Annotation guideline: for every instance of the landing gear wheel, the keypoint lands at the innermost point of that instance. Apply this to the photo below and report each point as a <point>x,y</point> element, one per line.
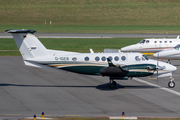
<point>171,84</point>
<point>112,85</point>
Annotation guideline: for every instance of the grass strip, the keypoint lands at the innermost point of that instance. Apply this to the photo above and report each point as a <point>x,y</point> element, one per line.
<point>97,28</point>
<point>70,44</point>
<point>91,16</point>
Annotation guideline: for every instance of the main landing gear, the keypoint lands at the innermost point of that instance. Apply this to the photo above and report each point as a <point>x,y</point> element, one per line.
<point>171,84</point>
<point>169,61</point>
<point>112,84</point>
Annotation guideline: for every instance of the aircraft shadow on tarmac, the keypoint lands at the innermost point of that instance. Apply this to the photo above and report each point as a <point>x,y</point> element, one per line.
<point>104,87</point>
<point>118,86</point>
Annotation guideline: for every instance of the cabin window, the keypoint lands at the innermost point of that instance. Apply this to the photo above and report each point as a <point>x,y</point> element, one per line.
<point>103,58</point>
<point>74,58</point>
<point>165,41</point>
<point>110,57</point>
<point>86,58</point>
<point>147,41</point>
<point>155,41</point>
<point>116,58</point>
<point>137,58</point>
<point>160,41</point>
<point>170,41</point>
<point>97,58</point>
<point>123,58</point>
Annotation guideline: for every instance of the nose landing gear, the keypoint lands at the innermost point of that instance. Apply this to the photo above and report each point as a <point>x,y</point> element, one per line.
<point>171,84</point>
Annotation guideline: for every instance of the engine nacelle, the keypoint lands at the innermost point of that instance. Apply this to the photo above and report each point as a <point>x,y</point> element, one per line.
<point>150,68</point>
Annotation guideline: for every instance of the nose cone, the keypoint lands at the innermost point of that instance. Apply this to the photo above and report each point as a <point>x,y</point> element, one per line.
<point>169,67</point>
<point>129,48</point>
<point>175,68</point>
<point>166,67</point>
<point>157,54</point>
<point>165,53</point>
<point>172,68</point>
<point>124,49</point>
<point>161,54</point>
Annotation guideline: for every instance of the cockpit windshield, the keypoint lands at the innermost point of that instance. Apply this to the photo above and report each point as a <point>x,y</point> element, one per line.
<point>177,47</point>
<point>145,57</point>
<point>142,41</point>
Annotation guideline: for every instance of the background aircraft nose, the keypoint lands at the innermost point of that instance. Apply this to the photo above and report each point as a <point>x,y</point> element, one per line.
<point>123,49</point>
<point>155,55</point>
<point>127,48</point>
<point>160,54</point>
<point>165,53</point>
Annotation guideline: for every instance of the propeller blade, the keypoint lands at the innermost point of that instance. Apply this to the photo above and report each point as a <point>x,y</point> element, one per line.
<point>157,67</point>
<point>157,76</point>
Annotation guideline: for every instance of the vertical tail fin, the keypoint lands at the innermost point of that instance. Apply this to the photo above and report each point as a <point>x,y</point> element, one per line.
<point>28,44</point>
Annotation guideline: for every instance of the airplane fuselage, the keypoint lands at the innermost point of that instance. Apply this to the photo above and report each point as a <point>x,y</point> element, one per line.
<point>93,63</point>
<point>173,53</point>
<point>152,45</point>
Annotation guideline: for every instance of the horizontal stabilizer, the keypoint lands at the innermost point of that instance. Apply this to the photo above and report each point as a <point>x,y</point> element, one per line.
<point>33,64</point>
<point>20,31</point>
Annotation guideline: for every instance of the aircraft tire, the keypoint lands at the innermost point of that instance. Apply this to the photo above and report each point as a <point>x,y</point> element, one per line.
<point>112,85</point>
<point>171,84</point>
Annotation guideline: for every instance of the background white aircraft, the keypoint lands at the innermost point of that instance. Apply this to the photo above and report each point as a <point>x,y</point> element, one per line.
<point>152,45</point>
<point>125,65</point>
<point>173,53</point>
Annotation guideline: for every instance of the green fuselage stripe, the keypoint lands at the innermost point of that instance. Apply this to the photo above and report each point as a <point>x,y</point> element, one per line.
<point>138,70</point>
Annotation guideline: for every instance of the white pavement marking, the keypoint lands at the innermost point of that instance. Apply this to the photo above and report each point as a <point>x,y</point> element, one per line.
<point>162,88</point>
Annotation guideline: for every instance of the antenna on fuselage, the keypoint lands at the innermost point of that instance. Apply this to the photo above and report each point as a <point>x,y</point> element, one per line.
<point>91,51</point>
<point>178,37</point>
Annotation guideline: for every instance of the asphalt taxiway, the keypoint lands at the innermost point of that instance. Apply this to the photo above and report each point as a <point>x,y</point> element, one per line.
<point>26,91</point>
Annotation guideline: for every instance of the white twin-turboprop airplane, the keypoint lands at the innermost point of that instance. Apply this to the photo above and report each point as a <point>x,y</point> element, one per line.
<point>113,65</point>
<point>152,45</point>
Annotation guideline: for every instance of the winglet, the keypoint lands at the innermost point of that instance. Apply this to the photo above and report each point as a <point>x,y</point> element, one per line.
<point>110,63</point>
